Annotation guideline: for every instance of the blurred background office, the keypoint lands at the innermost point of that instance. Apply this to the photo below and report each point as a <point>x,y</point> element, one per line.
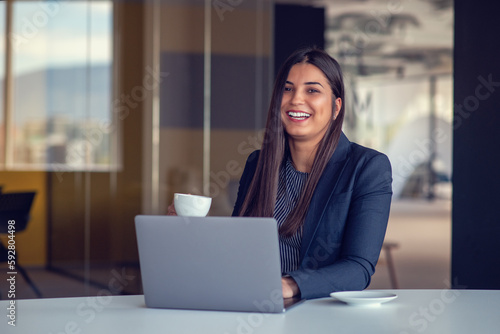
<point>109,107</point>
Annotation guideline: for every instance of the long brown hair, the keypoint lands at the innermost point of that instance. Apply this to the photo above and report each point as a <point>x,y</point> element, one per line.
<point>261,196</point>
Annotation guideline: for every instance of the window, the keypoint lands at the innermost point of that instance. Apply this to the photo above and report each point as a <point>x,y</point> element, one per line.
<point>2,81</point>
<point>60,86</point>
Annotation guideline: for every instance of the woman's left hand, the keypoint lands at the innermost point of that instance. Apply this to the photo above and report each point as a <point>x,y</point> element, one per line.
<point>290,288</point>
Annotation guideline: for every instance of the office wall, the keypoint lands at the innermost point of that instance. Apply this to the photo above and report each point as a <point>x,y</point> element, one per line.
<point>476,155</point>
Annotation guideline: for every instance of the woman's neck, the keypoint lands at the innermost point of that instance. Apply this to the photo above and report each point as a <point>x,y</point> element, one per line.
<point>302,155</point>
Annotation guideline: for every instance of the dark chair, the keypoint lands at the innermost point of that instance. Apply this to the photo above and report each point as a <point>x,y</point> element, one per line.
<point>16,207</point>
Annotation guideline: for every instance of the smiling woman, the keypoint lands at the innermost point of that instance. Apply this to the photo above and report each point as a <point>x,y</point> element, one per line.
<point>330,197</point>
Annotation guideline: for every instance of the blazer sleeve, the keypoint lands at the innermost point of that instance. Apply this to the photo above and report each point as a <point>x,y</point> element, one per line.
<point>344,255</point>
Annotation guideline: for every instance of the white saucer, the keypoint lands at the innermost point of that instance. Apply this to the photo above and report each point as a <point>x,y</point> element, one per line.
<point>363,298</point>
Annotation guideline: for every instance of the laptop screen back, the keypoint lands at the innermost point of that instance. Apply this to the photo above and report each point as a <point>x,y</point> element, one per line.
<point>210,263</point>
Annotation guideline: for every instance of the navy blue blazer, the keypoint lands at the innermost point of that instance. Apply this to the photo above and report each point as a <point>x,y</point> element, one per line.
<point>346,221</point>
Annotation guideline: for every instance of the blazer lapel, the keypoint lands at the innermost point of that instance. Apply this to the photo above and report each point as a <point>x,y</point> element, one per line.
<point>324,190</point>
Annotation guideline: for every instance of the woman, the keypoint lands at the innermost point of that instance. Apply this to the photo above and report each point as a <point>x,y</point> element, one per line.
<point>330,197</point>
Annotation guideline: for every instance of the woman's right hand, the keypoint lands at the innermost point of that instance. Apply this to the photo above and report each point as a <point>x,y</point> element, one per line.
<point>171,210</point>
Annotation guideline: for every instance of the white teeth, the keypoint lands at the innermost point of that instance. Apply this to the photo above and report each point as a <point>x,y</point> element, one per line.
<point>298,114</point>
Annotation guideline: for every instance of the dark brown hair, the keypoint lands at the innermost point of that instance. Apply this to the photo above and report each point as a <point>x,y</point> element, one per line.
<point>261,196</point>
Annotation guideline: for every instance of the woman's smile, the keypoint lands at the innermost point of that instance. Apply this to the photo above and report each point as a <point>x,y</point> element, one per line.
<point>297,115</point>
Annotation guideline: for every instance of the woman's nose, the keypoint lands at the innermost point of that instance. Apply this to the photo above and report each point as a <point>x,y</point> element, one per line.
<point>297,98</point>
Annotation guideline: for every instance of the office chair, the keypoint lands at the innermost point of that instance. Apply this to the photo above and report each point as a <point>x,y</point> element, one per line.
<point>16,206</point>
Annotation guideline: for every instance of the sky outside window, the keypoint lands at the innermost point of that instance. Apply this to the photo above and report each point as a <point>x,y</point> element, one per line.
<point>55,33</point>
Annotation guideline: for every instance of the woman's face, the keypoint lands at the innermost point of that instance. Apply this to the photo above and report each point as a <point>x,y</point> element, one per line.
<point>306,107</point>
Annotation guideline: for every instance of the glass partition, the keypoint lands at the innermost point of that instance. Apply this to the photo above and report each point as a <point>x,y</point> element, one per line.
<point>214,99</point>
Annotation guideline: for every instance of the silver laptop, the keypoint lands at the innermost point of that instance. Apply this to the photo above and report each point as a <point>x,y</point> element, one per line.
<point>211,263</point>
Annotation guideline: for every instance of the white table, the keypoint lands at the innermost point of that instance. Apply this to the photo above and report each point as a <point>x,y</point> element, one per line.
<point>414,311</point>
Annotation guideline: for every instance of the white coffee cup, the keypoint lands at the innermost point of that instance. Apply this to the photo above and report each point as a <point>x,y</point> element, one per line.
<point>191,205</point>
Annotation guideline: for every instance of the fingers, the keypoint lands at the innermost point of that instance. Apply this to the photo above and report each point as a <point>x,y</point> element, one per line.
<point>290,287</point>
<point>171,210</point>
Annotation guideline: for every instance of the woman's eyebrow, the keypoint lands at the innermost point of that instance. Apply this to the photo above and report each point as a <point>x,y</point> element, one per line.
<point>313,83</point>
<point>307,83</point>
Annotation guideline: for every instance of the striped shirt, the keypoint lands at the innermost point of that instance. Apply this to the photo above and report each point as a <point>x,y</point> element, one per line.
<point>290,185</point>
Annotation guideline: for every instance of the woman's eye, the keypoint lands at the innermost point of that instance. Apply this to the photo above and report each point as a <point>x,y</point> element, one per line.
<point>312,90</point>
<point>288,89</point>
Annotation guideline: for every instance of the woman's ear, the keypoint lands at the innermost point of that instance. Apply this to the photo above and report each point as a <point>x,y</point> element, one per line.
<point>338,106</point>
